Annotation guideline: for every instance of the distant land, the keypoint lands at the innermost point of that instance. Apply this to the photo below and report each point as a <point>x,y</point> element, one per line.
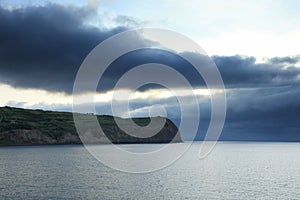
<point>37,127</point>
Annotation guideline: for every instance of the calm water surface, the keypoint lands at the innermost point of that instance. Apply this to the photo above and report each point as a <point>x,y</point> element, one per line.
<point>231,171</point>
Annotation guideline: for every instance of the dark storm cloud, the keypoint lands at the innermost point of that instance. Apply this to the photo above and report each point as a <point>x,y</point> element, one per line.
<point>135,58</point>
<point>237,71</point>
<point>43,47</point>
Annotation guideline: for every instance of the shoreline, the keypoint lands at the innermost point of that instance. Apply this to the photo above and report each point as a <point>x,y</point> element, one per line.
<point>102,144</point>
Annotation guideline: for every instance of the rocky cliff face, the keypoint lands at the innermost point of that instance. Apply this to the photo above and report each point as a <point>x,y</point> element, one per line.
<point>23,137</point>
<point>37,127</point>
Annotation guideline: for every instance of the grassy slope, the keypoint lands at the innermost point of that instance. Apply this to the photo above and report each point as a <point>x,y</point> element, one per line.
<point>49,122</point>
<point>52,123</point>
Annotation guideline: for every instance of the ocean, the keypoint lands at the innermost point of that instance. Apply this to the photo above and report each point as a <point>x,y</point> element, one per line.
<point>233,170</point>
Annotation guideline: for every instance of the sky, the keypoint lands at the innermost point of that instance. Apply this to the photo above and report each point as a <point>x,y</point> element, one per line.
<point>255,45</point>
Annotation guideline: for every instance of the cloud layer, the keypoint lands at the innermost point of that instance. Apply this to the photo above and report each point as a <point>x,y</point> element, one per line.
<point>43,47</point>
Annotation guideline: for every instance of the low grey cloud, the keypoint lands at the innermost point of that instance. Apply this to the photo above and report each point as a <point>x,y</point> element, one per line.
<point>285,60</point>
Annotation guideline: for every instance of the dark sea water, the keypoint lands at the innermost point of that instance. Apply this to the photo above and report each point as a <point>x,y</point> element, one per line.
<point>231,171</point>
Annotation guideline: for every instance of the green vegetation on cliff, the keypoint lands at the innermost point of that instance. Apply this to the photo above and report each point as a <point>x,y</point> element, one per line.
<point>25,126</point>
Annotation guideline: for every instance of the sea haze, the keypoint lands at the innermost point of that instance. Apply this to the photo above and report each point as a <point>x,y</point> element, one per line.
<point>234,170</point>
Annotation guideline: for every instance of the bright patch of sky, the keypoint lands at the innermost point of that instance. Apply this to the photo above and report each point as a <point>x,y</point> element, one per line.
<point>31,97</point>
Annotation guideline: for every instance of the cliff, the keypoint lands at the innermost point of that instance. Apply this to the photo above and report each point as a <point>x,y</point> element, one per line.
<point>37,127</point>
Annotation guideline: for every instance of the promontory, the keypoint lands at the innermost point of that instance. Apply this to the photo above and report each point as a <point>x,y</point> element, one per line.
<point>38,127</point>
